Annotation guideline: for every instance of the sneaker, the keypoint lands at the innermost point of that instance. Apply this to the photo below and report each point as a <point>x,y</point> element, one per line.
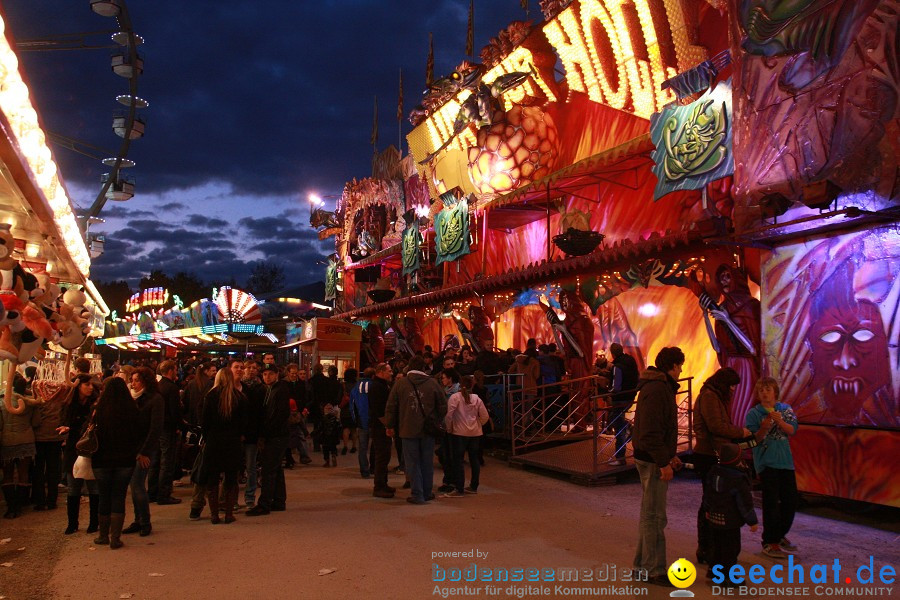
<point>169,500</point>
<point>616,462</point>
<point>446,488</point>
<point>257,511</point>
<point>453,494</point>
<point>383,494</point>
<point>195,514</point>
<point>146,530</point>
<point>412,500</point>
<point>250,503</point>
<point>470,490</point>
<point>786,545</point>
<point>133,528</point>
<point>429,498</point>
<point>773,551</point>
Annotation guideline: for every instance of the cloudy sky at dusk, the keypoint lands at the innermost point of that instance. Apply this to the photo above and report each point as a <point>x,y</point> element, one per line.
<point>252,107</point>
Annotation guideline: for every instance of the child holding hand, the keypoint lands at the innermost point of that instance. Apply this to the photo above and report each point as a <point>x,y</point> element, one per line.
<point>729,506</point>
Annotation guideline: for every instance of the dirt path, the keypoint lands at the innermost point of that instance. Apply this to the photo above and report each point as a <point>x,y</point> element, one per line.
<point>387,548</point>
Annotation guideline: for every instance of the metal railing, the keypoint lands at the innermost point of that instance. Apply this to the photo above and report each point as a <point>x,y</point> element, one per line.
<point>573,410</point>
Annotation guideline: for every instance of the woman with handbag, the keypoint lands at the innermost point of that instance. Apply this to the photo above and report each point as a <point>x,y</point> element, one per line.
<point>117,425</point>
<point>466,414</point>
<point>76,413</point>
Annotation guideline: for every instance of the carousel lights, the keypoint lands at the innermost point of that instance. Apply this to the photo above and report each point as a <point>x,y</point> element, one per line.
<point>29,137</point>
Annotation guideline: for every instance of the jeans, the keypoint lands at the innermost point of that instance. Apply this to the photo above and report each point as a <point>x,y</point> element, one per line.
<point>250,455</point>
<point>198,497</point>
<point>47,463</point>
<point>139,497</point>
<point>113,485</point>
<point>459,446</point>
<point>273,492</point>
<point>162,468</point>
<point>75,485</point>
<point>381,447</point>
<point>418,456</point>
<point>779,499</point>
<point>619,424</point>
<point>366,451</point>
<point>651,547</point>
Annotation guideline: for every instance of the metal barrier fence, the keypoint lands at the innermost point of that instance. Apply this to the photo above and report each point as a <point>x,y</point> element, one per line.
<point>575,410</point>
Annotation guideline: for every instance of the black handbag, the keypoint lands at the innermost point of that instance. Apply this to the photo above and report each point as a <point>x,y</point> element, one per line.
<point>88,444</point>
<point>433,427</point>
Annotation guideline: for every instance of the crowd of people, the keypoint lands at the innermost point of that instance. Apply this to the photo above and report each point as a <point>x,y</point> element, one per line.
<point>230,423</point>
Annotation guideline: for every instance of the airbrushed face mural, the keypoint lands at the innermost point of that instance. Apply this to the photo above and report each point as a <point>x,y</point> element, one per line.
<point>832,322</point>
<point>849,349</point>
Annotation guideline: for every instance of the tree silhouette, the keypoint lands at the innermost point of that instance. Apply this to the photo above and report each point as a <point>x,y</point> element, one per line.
<point>265,277</point>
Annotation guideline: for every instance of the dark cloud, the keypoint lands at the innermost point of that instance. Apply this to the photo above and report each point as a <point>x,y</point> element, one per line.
<point>170,206</point>
<point>244,98</point>
<point>206,222</point>
<point>275,111</point>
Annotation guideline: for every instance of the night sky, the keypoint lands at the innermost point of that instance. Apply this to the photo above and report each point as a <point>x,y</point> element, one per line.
<point>252,107</point>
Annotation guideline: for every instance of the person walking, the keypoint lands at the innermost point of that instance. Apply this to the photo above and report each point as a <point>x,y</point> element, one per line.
<point>274,435</point>
<point>379,390</point>
<point>17,449</point>
<point>655,446</point>
<point>150,404</point>
<point>162,468</point>
<point>224,422</point>
<point>359,409</point>
<point>466,414</point>
<point>76,412</point>
<point>624,387</point>
<point>118,427</point>
<point>412,400</point>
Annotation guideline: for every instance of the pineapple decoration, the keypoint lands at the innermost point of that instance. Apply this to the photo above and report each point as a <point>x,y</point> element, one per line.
<point>519,147</point>
<point>576,237</point>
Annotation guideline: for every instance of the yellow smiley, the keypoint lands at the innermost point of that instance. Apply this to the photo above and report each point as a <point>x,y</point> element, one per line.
<point>682,573</point>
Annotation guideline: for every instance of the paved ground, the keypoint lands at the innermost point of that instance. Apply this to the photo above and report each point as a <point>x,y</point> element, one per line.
<point>387,548</point>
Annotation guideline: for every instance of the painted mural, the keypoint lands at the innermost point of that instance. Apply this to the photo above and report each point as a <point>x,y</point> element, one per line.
<point>816,98</point>
<point>832,324</point>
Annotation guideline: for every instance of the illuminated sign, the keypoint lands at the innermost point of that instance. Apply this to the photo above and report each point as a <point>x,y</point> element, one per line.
<point>150,297</point>
<point>617,52</point>
<point>189,334</point>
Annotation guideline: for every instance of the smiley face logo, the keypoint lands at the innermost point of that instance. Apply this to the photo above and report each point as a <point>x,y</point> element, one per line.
<point>682,573</point>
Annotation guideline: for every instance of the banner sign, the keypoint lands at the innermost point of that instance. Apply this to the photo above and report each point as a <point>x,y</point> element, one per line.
<point>693,142</point>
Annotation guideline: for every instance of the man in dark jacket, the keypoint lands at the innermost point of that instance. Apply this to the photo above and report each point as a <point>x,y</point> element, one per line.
<point>411,399</point>
<point>162,467</point>
<point>274,435</point>
<point>150,404</point>
<point>255,392</point>
<point>624,383</point>
<point>655,445</point>
<point>379,389</point>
